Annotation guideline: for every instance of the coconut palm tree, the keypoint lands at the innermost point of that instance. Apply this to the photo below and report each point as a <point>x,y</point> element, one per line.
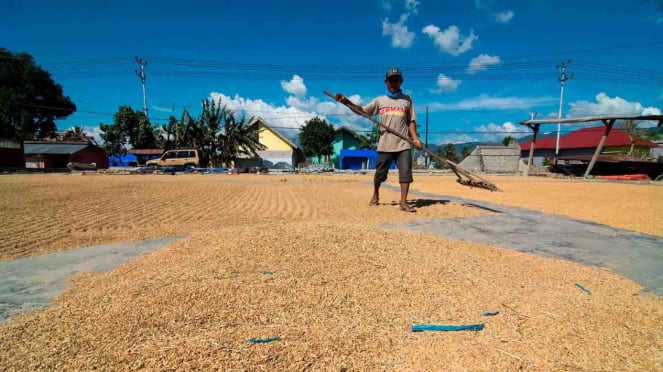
<point>238,137</point>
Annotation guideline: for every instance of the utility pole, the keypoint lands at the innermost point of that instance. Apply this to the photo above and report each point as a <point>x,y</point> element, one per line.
<point>426,139</point>
<point>141,75</point>
<point>562,80</point>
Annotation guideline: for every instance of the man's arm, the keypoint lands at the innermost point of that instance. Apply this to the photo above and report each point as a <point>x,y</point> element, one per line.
<point>344,100</point>
<point>414,135</point>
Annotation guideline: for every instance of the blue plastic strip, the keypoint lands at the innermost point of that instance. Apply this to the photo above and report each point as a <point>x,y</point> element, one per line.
<point>268,272</point>
<point>488,313</point>
<point>584,289</point>
<point>263,340</point>
<point>440,327</point>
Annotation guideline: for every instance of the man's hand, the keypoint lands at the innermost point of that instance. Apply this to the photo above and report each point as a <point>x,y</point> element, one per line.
<point>417,144</point>
<point>340,98</point>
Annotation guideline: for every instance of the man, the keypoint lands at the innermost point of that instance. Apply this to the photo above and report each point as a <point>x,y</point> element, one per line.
<point>397,113</point>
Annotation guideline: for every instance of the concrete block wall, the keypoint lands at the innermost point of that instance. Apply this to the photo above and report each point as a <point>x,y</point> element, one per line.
<point>493,159</point>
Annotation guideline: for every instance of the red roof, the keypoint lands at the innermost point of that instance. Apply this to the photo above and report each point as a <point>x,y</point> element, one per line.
<point>587,138</point>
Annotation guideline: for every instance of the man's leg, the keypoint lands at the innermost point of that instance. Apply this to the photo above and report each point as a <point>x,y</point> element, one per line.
<point>381,170</point>
<point>404,163</point>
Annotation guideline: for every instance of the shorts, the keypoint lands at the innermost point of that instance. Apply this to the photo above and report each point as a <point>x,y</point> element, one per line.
<point>403,163</point>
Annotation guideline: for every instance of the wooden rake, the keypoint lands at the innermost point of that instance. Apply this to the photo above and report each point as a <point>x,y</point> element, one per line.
<point>465,177</point>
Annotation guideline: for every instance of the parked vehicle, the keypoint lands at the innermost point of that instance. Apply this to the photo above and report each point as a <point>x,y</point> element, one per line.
<point>176,158</point>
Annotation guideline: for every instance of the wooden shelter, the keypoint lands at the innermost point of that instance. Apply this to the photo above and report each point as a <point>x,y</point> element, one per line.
<point>607,120</point>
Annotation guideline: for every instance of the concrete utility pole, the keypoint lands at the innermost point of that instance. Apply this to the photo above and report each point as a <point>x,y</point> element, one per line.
<point>141,75</point>
<point>426,158</point>
<point>562,79</point>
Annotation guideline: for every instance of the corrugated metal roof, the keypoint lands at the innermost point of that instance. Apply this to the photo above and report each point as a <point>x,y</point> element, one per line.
<point>53,148</point>
<point>587,138</point>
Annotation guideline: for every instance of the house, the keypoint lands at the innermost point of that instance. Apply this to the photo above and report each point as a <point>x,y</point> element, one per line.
<point>11,154</point>
<point>584,142</point>
<point>49,155</point>
<point>279,152</point>
<point>344,139</point>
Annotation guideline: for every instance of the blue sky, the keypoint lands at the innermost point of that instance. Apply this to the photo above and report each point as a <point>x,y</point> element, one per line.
<point>477,66</point>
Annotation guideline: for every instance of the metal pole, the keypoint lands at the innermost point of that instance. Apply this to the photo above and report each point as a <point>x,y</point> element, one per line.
<point>141,75</point>
<point>426,158</point>
<point>562,79</point>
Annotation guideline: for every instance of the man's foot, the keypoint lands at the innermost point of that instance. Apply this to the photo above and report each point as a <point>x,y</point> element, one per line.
<point>374,201</point>
<point>407,208</point>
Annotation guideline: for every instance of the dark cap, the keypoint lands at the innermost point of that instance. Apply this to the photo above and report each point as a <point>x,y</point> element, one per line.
<point>394,71</point>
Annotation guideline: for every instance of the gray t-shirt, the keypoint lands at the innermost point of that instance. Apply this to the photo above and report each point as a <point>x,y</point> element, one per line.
<point>395,114</point>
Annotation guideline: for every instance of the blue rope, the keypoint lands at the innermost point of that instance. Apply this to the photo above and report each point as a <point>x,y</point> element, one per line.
<point>263,340</point>
<point>584,289</point>
<point>439,327</point>
<point>487,313</point>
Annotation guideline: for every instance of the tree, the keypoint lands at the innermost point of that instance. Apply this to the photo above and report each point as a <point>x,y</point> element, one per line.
<point>507,140</point>
<point>370,141</point>
<point>449,153</point>
<point>77,133</point>
<point>467,150</point>
<point>635,134</point>
<point>129,128</point>
<point>30,101</point>
<point>115,139</point>
<point>316,137</point>
<point>237,137</point>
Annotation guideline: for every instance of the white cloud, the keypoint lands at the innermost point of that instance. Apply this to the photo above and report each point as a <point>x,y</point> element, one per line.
<point>496,133</point>
<point>287,119</point>
<point>606,105</point>
<point>95,132</point>
<point>504,17</point>
<point>294,86</point>
<point>401,37</point>
<point>162,109</point>
<point>483,4</point>
<point>485,102</point>
<point>445,84</point>
<point>412,6</point>
<point>482,62</point>
<point>450,40</point>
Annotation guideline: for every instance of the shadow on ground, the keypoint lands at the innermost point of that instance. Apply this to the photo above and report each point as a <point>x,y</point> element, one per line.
<point>634,255</point>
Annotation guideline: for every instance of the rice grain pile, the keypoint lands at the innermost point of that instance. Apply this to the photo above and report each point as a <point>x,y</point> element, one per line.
<point>303,260</point>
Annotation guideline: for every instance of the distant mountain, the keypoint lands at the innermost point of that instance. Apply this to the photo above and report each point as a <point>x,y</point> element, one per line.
<point>458,147</point>
<point>522,140</point>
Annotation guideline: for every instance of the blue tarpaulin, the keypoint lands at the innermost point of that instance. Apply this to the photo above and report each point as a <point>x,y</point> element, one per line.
<point>128,160</point>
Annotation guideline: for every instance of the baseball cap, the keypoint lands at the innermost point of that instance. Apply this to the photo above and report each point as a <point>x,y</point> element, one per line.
<point>394,71</point>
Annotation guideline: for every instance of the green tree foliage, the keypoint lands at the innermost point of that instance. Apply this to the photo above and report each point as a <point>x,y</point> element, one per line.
<point>77,133</point>
<point>237,137</point>
<point>467,150</point>
<point>30,101</point>
<point>316,137</point>
<point>115,139</point>
<point>165,137</point>
<point>370,141</point>
<point>129,128</point>
<point>449,153</point>
<point>507,140</point>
